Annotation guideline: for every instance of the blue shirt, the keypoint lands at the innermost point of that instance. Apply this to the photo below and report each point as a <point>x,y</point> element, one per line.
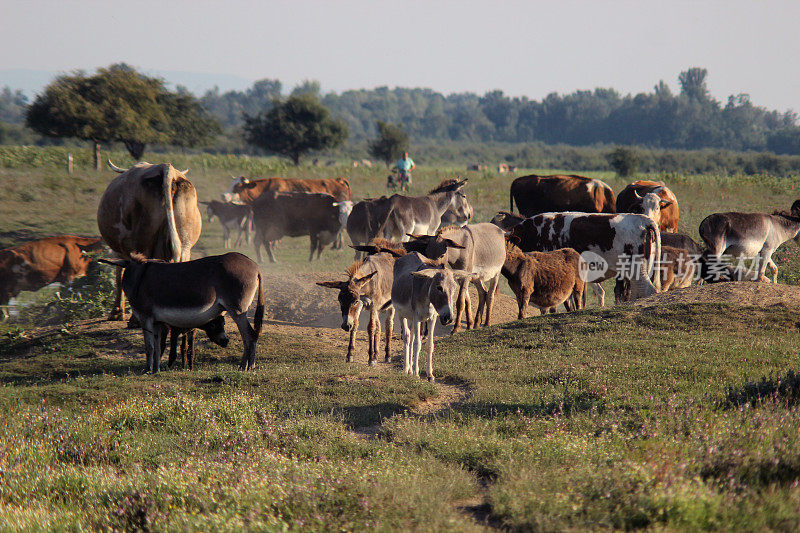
<point>405,164</point>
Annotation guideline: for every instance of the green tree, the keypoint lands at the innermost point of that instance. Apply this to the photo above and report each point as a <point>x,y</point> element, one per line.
<point>624,161</point>
<point>295,126</point>
<point>117,104</point>
<point>392,141</point>
<point>693,83</point>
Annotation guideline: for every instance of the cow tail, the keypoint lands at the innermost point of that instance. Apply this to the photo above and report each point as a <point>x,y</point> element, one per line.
<point>258,318</point>
<point>173,237</point>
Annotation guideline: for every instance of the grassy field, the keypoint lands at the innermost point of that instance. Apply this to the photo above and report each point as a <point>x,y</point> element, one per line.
<point>617,418</point>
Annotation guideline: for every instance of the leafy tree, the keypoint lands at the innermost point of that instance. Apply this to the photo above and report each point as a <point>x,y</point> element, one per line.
<point>115,104</point>
<point>293,127</point>
<point>624,161</point>
<point>12,106</point>
<point>785,141</point>
<point>392,141</point>
<point>693,83</point>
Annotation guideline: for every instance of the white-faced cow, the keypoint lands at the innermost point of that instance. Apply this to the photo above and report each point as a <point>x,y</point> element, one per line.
<point>395,217</point>
<point>294,214</point>
<point>193,294</point>
<point>151,210</point>
<point>751,235</point>
<point>631,198</point>
<point>542,194</point>
<point>628,245</point>
<point>233,217</point>
<point>36,264</point>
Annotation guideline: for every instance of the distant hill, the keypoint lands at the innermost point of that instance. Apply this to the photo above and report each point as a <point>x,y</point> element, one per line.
<point>32,81</point>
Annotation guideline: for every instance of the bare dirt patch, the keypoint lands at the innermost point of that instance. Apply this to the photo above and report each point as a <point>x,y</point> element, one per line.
<point>739,293</point>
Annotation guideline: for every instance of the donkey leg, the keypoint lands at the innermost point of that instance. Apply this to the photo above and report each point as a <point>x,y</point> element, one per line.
<point>406,333</point>
<point>417,326</point>
<point>431,325</point>
<point>492,290</point>
<point>249,339</point>
<point>371,356</point>
<point>190,348</point>
<point>389,327</point>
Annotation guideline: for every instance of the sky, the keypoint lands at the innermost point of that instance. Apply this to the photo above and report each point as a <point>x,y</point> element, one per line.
<point>528,48</point>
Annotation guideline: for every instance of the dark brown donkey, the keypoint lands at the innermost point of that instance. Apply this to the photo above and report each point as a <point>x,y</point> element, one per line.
<point>192,294</point>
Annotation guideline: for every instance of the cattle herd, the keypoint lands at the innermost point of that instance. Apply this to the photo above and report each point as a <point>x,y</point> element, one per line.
<point>415,255</point>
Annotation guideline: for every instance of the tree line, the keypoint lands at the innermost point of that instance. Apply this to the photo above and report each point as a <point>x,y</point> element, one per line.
<point>118,104</point>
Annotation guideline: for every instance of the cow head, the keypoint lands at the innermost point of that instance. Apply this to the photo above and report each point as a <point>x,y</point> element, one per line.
<point>238,185</point>
<point>350,294</point>
<point>505,220</point>
<point>651,204</point>
<point>441,287</point>
<point>345,207</point>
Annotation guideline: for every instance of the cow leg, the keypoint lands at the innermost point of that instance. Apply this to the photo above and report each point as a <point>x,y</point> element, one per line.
<point>314,242</point>
<point>118,308</point>
<point>389,326</point>
<point>258,245</point>
<point>406,333</point>
<point>249,339</point>
<point>417,342</point>
<point>226,237</point>
<point>270,251</point>
<point>600,294</point>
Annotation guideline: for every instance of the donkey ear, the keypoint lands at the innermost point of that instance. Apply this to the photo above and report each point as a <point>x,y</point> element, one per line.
<point>427,273</point>
<point>419,237</point>
<point>666,203</point>
<point>362,280</point>
<point>333,284</point>
<point>368,248</point>
<point>453,244</point>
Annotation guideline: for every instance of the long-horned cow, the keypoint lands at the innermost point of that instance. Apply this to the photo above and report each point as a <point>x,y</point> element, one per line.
<point>631,200</point>
<point>35,264</point>
<point>151,210</point>
<point>536,194</point>
<point>193,294</point>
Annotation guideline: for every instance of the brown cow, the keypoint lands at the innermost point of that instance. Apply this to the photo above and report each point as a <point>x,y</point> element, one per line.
<point>544,194</point>
<point>151,210</point>
<point>630,201</point>
<point>246,191</point>
<point>36,264</point>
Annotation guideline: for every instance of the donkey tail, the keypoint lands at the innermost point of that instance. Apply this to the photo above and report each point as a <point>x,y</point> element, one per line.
<point>258,318</point>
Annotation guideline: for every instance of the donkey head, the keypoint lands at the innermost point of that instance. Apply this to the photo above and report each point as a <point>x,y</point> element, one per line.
<point>350,293</point>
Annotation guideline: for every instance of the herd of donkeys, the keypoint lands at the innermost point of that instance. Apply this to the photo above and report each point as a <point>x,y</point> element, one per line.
<point>416,256</point>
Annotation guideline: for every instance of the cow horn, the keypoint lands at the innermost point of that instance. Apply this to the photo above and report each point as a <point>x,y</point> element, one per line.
<point>636,193</point>
<point>185,171</point>
<point>115,168</point>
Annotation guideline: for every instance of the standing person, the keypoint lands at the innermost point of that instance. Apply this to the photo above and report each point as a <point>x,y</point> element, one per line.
<point>404,167</point>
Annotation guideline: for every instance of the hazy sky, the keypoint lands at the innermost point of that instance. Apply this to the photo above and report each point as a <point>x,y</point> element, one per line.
<point>522,47</point>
